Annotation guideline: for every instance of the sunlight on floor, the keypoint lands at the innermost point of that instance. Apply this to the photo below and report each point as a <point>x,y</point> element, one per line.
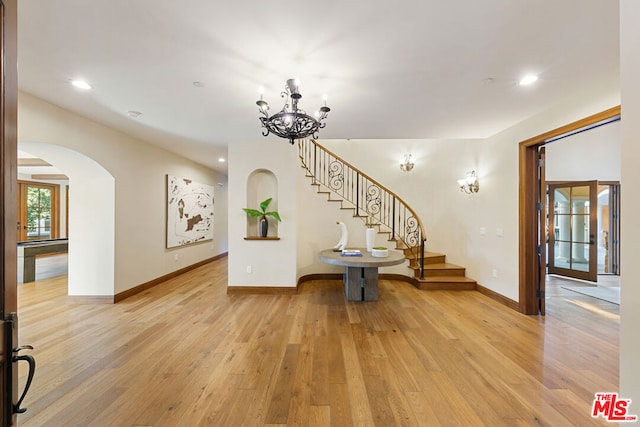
<point>594,309</point>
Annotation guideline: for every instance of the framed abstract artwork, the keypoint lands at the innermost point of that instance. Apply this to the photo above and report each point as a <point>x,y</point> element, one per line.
<point>189,211</point>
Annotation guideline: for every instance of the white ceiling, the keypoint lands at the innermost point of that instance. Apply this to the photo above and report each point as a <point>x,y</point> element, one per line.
<point>391,69</point>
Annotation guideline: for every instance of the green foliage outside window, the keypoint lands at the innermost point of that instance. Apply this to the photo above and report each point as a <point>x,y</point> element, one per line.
<point>38,210</point>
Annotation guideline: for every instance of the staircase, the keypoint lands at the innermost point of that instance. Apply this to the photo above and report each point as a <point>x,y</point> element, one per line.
<point>349,188</point>
<point>440,275</point>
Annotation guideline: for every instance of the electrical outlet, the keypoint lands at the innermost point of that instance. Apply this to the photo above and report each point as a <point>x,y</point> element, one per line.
<point>494,272</point>
<point>249,269</point>
<point>175,257</point>
<point>483,231</point>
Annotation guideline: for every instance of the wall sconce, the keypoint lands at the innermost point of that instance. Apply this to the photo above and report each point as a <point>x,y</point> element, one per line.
<point>408,164</point>
<point>469,184</point>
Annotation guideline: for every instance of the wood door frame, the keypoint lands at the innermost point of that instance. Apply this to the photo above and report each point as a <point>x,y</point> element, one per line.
<point>614,231</point>
<point>529,272</point>
<point>542,224</point>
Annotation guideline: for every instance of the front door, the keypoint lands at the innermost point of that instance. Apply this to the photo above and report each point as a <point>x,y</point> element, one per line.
<point>8,202</point>
<point>573,219</point>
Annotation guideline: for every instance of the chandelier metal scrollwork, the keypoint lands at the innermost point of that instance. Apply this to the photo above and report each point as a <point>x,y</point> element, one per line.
<point>291,122</point>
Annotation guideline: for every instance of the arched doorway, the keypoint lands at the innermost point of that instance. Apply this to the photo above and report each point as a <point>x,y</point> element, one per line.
<point>91,218</point>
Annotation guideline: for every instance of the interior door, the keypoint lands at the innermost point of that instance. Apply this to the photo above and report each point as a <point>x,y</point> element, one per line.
<point>8,202</point>
<point>573,219</point>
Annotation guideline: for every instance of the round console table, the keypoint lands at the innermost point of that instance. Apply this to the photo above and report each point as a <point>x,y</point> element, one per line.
<point>361,272</point>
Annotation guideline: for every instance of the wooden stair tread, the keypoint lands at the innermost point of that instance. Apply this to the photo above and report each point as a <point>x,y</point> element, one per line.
<point>442,265</point>
<point>428,256</point>
<point>432,254</point>
<point>446,284</point>
<point>448,279</point>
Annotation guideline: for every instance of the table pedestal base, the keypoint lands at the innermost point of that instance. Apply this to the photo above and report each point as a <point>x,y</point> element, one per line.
<point>361,283</point>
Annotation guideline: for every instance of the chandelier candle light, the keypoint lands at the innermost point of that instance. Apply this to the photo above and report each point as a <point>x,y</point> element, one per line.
<point>291,122</point>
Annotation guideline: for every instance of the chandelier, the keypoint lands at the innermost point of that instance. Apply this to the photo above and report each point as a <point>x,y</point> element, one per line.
<point>291,122</point>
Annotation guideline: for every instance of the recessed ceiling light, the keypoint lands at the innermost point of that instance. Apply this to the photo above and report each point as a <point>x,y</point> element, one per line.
<point>134,114</point>
<point>221,159</point>
<point>81,84</point>
<point>198,84</point>
<point>529,79</point>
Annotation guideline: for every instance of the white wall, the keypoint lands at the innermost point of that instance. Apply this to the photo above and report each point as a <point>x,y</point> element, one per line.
<point>630,227</point>
<point>272,262</point>
<point>139,171</point>
<point>594,154</point>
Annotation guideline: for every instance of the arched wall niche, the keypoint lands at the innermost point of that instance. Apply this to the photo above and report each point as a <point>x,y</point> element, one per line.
<point>261,185</point>
<point>91,219</point>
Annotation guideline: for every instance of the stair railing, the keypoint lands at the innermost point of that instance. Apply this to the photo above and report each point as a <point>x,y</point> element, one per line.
<point>369,198</point>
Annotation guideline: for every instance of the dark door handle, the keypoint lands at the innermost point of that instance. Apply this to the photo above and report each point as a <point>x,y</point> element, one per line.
<point>591,242</point>
<point>32,370</point>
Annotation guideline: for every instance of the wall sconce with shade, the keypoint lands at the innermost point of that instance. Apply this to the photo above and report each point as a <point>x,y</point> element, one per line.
<point>408,164</point>
<point>469,184</point>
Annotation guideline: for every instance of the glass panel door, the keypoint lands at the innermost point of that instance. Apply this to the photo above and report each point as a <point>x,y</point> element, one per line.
<point>37,211</point>
<point>572,230</point>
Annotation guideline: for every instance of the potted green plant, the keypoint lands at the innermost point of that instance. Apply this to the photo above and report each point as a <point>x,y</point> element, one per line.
<point>263,224</point>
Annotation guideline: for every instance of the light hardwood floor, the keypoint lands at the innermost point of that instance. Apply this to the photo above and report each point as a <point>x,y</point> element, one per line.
<point>187,354</point>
